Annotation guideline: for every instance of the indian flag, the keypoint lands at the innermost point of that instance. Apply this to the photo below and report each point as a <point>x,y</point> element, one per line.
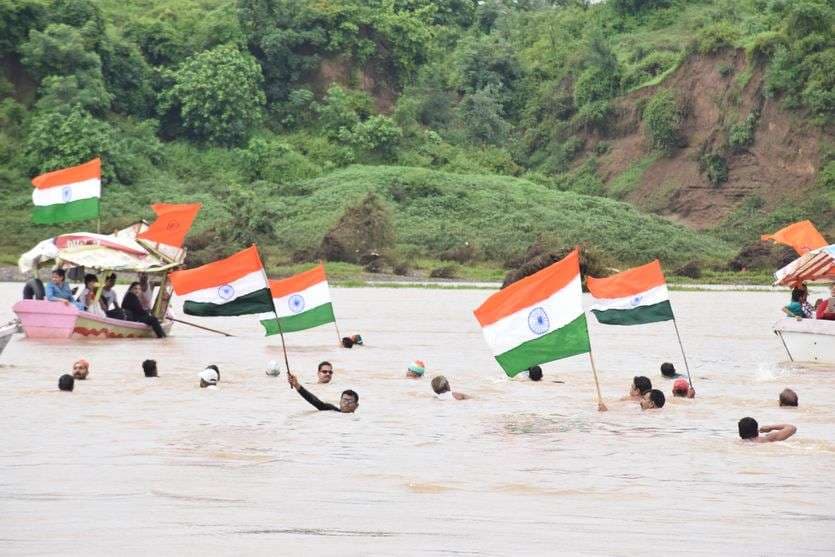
<point>537,319</point>
<point>67,195</point>
<point>633,297</point>
<point>301,302</point>
<point>236,285</point>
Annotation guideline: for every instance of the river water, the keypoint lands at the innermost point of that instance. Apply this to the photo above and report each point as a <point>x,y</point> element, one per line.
<point>127,465</point>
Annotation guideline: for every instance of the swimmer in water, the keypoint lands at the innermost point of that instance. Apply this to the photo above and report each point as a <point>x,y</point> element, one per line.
<point>668,370</point>
<point>535,373</point>
<point>640,386</point>
<point>749,430</point>
<point>66,382</point>
<point>788,398</point>
<point>209,377</point>
<point>348,402</point>
<point>324,373</point>
<point>149,368</point>
<point>416,369</point>
<point>442,389</point>
<point>80,369</point>
<point>347,342</point>
<point>681,388</point>
<point>652,400</point>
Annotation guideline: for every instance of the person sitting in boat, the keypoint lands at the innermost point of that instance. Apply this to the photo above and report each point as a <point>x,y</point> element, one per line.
<point>134,311</point>
<point>57,290</point>
<point>87,297</point>
<point>81,369</point>
<point>146,292</point>
<point>33,289</point>
<point>788,398</point>
<point>799,307</point>
<point>109,301</point>
<point>749,430</point>
<point>640,386</point>
<point>826,308</point>
<point>653,399</point>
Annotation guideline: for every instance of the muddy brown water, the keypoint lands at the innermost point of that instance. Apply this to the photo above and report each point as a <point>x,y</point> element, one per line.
<point>127,465</point>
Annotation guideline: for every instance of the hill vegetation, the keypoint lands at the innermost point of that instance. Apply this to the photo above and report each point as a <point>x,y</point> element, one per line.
<point>488,125</point>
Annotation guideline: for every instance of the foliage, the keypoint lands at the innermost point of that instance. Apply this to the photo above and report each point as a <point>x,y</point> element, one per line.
<point>218,95</point>
<point>716,37</point>
<point>377,134</point>
<point>663,121</point>
<point>17,18</point>
<point>741,135</point>
<point>480,115</point>
<point>363,229</point>
<point>715,168</point>
<point>343,109</point>
<point>594,84</point>
<point>56,140</point>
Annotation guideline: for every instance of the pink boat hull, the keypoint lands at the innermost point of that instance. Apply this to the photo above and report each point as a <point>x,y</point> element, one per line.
<point>42,319</point>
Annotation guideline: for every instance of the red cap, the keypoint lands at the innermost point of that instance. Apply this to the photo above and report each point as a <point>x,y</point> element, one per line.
<point>681,385</point>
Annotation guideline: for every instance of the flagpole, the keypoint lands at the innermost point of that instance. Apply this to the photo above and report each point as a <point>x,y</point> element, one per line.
<point>283,346</point>
<point>335,324</point>
<point>683,355</point>
<point>600,406</point>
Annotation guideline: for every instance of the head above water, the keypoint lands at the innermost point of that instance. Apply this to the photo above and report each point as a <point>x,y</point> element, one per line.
<point>416,369</point>
<point>788,398</point>
<point>535,373</point>
<point>641,385</point>
<point>349,401</point>
<point>748,428</point>
<point>680,387</point>
<point>324,372</point>
<point>347,342</point>
<point>357,339</point>
<point>208,377</point>
<point>440,385</point>
<point>653,399</point>
<point>80,369</point>
<point>66,382</point>
<point>668,369</point>
<point>149,367</point>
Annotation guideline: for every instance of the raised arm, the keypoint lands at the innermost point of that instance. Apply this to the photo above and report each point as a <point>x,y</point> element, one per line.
<point>307,395</point>
<point>779,432</point>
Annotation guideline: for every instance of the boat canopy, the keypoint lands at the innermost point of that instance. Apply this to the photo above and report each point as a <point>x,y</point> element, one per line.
<point>817,265</point>
<point>120,251</point>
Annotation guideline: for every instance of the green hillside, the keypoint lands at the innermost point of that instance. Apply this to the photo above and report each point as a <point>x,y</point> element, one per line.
<point>491,124</point>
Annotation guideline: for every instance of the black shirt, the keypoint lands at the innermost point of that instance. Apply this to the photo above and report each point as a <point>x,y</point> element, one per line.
<point>311,398</point>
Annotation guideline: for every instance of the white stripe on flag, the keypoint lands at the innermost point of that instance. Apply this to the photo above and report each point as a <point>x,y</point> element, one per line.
<point>311,297</point>
<point>224,293</point>
<point>67,193</point>
<point>649,297</point>
<point>563,307</point>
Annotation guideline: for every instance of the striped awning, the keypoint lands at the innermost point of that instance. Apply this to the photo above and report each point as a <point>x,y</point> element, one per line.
<point>816,265</point>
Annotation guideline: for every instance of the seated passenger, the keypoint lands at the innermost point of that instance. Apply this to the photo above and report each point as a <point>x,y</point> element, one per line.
<point>798,307</point>
<point>33,289</point>
<point>109,301</point>
<point>135,312</point>
<point>57,290</point>
<point>826,308</point>
<point>87,297</point>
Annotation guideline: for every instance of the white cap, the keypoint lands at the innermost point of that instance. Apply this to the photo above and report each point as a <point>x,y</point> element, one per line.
<point>208,375</point>
<point>273,368</point>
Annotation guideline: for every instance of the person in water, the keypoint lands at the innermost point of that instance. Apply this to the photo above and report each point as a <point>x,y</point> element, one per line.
<point>57,289</point>
<point>80,369</point>
<point>749,430</point>
<point>416,369</point>
<point>149,368</point>
<point>66,382</point>
<point>209,377</point>
<point>535,373</point>
<point>348,402</point>
<point>653,399</point>
<point>357,339</point>
<point>347,342</point>
<point>135,312</point>
<point>441,387</point>
<point>640,386</point>
<point>681,388</point>
<point>668,370</point>
<point>324,373</point>
<point>788,398</point>
<point>273,368</point>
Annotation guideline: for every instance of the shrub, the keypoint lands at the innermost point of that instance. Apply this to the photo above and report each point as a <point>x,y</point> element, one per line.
<point>363,229</point>
<point>343,109</point>
<point>716,37</point>
<point>480,115</point>
<point>378,133</point>
<point>725,69</point>
<point>689,270</point>
<point>57,140</point>
<point>663,119</point>
<point>445,272</point>
<point>218,95</point>
<point>594,116</point>
<point>595,84</point>
<point>741,135</point>
<point>715,168</point>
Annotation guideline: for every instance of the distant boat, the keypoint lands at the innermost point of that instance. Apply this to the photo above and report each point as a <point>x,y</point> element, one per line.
<point>119,252</point>
<point>808,340</point>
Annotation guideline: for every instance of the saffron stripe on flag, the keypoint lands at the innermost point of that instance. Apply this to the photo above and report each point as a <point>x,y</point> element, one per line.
<point>259,301</point>
<point>627,283</point>
<point>218,273</point>
<point>66,212</point>
<point>64,176</point>
<point>571,340</point>
<point>654,313</point>
<point>307,320</point>
<point>299,282</point>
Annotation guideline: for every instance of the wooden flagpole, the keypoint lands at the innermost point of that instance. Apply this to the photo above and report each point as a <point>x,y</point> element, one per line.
<point>335,324</point>
<point>283,346</point>
<point>600,405</point>
<point>683,355</point>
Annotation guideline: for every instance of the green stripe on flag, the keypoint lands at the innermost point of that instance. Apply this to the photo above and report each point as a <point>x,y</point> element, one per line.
<point>83,209</point>
<point>305,320</point>
<point>566,341</point>
<point>259,301</point>
<point>662,311</point>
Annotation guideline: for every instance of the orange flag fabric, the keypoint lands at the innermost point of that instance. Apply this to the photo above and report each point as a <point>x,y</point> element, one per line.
<point>802,236</point>
<point>172,224</point>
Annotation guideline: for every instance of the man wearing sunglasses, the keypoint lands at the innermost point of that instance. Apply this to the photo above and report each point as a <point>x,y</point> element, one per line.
<point>348,402</point>
<point>325,372</point>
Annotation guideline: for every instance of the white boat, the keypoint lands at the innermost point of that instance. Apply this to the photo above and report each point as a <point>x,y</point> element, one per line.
<point>7,331</point>
<point>807,340</point>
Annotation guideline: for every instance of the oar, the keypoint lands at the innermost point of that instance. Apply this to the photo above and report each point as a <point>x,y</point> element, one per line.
<point>200,327</point>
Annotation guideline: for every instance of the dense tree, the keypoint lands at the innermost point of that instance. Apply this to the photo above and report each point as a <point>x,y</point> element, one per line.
<point>17,18</point>
<point>218,95</point>
<point>58,50</point>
